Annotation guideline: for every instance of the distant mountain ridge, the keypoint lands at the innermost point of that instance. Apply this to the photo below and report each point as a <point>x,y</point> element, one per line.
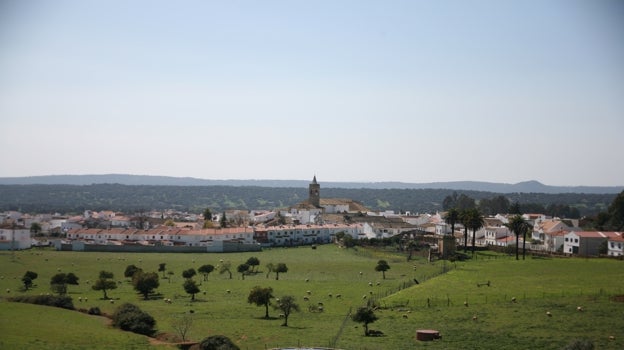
<point>124,179</point>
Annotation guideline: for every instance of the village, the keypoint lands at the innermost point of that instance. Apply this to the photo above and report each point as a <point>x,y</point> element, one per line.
<point>314,221</point>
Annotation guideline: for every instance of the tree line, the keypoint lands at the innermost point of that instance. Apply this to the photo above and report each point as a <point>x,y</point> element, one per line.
<point>125,198</point>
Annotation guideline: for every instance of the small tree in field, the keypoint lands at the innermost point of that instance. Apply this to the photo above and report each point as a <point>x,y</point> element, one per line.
<point>131,270</point>
<point>382,266</point>
<point>205,270</point>
<point>145,282</point>
<point>188,274</point>
<point>287,305</point>
<point>253,262</point>
<point>104,282</point>
<point>243,269</point>
<point>162,267</point>
<point>182,325</point>
<point>280,267</point>
<point>130,318</point>
<point>59,282</point>
<point>364,315</point>
<point>191,288</point>
<point>261,297</point>
<point>225,267</point>
<point>270,268</point>
<point>28,279</point>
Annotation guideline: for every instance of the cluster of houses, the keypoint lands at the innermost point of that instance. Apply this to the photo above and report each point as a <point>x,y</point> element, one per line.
<point>314,221</point>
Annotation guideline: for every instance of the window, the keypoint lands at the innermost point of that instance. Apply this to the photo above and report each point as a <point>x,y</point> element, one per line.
<point>612,245</point>
<point>566,239</point>
<point>576,240</point>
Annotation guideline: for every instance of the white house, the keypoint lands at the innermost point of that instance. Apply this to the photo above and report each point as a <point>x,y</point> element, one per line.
<point>586,243</point>
<point>15,239</point>
<point>615,245</point>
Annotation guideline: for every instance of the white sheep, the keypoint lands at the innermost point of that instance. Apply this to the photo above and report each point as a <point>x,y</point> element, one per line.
<point>579,308</point>
<point>548,314</point>
<point>309,292</point>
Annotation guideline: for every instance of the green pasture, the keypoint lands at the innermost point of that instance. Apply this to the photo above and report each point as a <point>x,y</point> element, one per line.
<point>539,285</point>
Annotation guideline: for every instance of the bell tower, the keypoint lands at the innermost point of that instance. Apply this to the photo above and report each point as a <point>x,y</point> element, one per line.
<point>314,193</point>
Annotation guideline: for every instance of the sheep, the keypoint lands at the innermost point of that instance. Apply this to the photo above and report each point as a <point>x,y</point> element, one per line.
<point>338,295</point>
<point>364,296</point>
<point>307,280</point>
<point>611,337</point>
<point>306,298</point>
<point>370,284</point>
<point>228,291</point>
<point>320,309</point>
<point>465,303</point>
<point>329,295</point>
<point>513,300</point>
<point>86,299</point>
<point>474,318</point>
<point>8,290</point>
<point>370,292</point>
<point>320,304</point>
<point>378,283</point>
<point>308,292</point>
<point>404,315</point>
<point>112,301</point>
<point>80,299</point>
<point>579,308</point>
<point>548,314</point>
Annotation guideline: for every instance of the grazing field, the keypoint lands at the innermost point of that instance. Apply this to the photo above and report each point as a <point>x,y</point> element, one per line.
<point>539,286</point>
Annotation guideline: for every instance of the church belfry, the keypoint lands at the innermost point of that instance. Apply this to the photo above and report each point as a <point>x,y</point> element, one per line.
<point>314,193</point>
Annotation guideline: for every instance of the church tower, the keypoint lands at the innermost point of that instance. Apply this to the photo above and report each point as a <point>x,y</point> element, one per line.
<point>314,193</point>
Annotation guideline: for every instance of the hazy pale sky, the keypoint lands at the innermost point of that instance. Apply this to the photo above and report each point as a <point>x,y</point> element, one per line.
<point>413,91</point>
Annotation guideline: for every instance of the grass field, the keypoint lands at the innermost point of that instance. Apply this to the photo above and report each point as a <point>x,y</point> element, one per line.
<point>539,285</point>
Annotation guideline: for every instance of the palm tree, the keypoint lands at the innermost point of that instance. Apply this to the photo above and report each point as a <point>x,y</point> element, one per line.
<point>475,222</point>
<point>464,218</point>
<point>452,217</point>
<point>518,226</point>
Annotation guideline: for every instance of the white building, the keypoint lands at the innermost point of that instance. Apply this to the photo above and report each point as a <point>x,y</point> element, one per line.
<point>15,239</point>
<point>615,245</point>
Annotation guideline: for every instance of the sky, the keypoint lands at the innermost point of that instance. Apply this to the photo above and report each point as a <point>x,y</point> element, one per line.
<point>411,91</point>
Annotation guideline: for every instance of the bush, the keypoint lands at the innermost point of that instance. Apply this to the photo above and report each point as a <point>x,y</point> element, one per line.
<point>580,344</point>
<point>217,342</point>
<point>63,302</point>
<point>130,318</point>
<point>94,311</point>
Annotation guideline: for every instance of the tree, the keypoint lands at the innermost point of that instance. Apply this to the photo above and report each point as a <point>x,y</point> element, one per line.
<point>205,270</point>
<point>28,279</point>
<point>280,268</point>
<point>464,218</point>
<point>207,214</point>
<point>243,269</point>
<point>35,228</point>
<point>382,266</point>
<point>518,226</point>
<point>130,318</point>
<point>59,282</point>
<point>217,342</point>
<point>145,282</point>
<point>182,325</point>
<point>223,221</point>
<point>452,217</point>
<point>261,297</point>
<point>270,268</point>
<point>130,270</point>
<point>253,262</point>
<point>287,305</point>
<point>475,222</point>
<point>191,288</point>
<point>348,241</point>
<point>162,267</point>
<point>189,273</point>
<point>616,213</point>
<point>169,223</point>
<point>364,315</point>
<point>104,282</point>
<point>225,267</point>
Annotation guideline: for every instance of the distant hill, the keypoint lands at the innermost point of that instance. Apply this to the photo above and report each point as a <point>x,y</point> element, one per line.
<point>521,187</point>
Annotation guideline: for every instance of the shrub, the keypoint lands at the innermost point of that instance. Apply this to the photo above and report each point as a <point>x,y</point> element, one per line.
<point>94,311</point>
<point>63,302</point>
<point>217,342</point>
<point>130,318</point>
<point>580,344</point>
